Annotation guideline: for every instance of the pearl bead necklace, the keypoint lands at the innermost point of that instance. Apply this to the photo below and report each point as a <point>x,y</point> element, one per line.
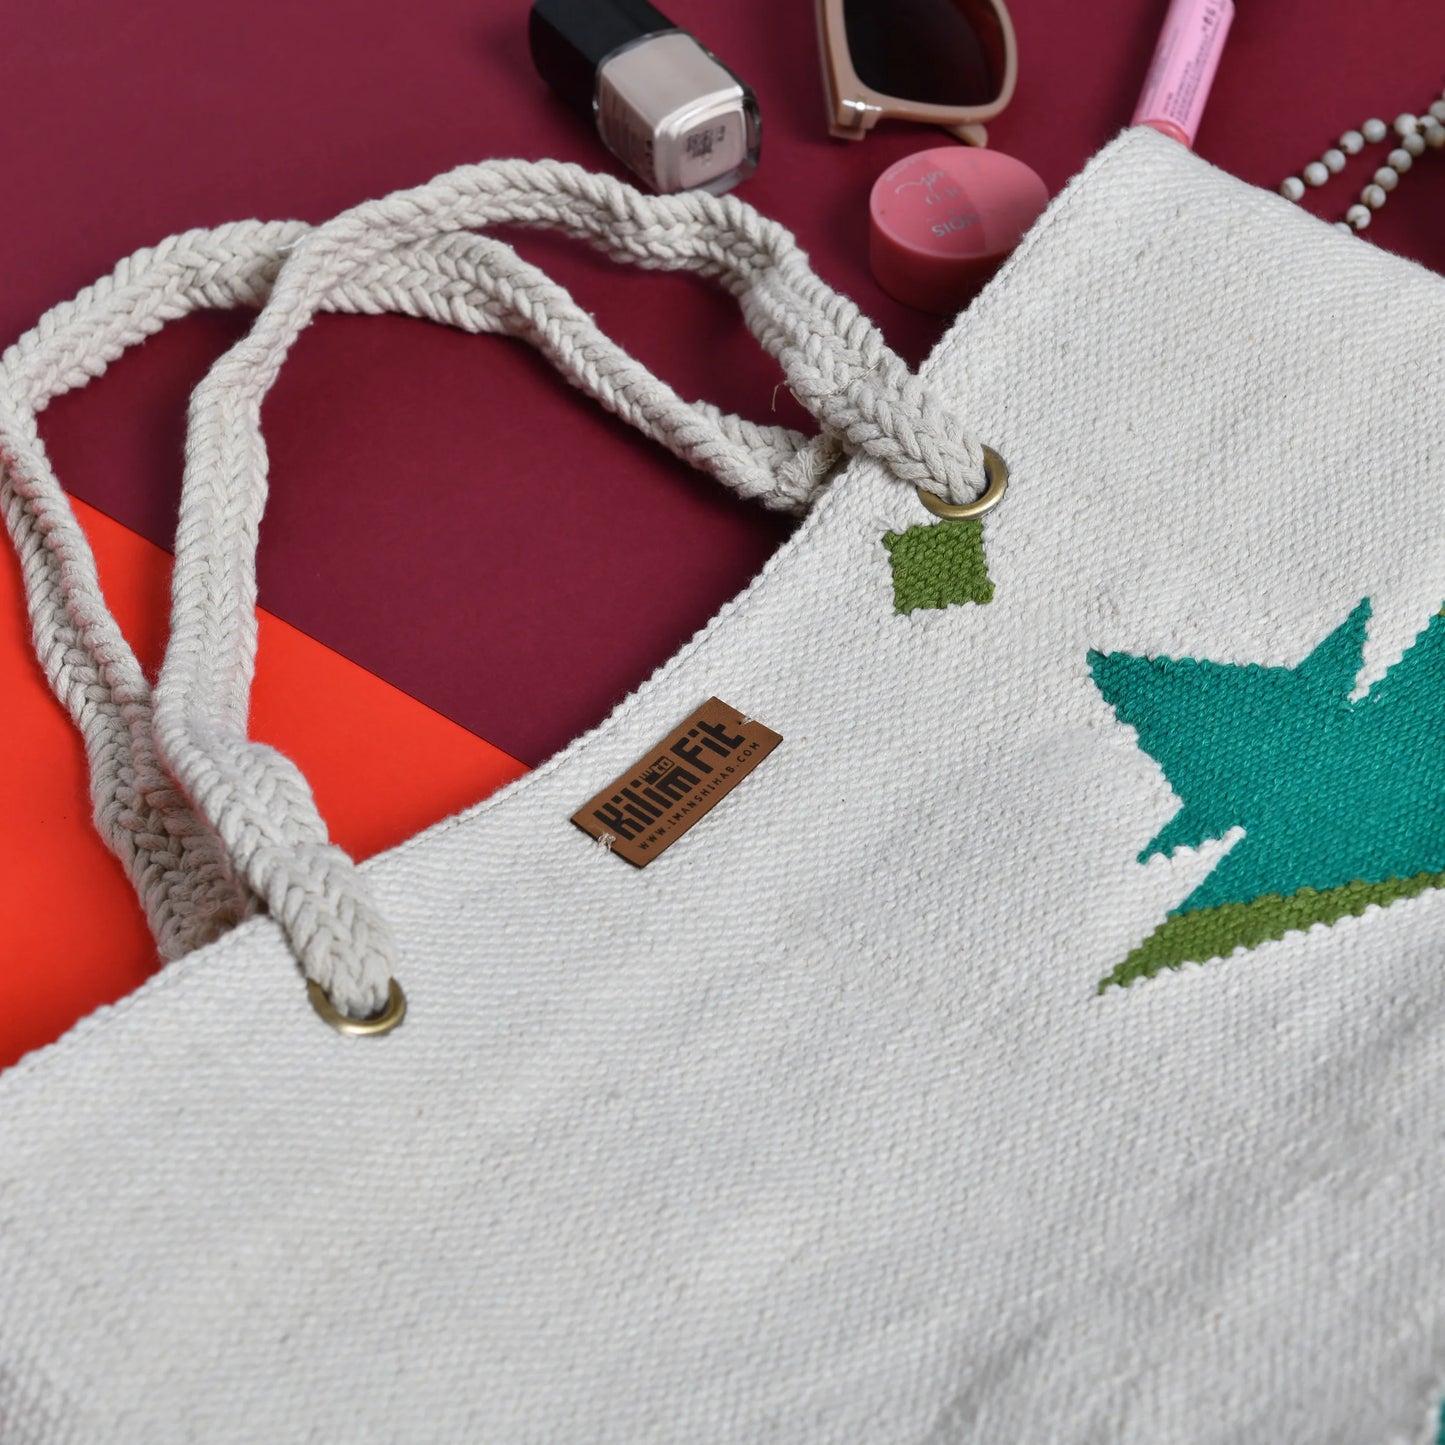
<point>1414,134</point>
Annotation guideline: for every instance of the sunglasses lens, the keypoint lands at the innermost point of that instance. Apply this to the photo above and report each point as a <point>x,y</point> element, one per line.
<point>932,52</point>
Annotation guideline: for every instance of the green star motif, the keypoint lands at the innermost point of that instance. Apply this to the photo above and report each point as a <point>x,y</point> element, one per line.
<point>1342,802</point>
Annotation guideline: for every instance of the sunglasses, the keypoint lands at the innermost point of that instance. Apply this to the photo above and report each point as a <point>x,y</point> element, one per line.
<point>943,62</point>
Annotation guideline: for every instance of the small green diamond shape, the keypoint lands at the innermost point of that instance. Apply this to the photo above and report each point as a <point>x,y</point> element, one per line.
<point>938,565</point>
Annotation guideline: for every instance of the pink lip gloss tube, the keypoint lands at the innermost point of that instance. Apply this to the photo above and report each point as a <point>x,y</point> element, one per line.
<point>1183,67</point>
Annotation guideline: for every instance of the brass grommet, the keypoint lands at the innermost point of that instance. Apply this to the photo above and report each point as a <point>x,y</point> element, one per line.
<point>995,471</point>
<point>392,1011</point>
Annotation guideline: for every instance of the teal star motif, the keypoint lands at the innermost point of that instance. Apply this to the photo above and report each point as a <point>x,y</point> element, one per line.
<point>1331,793</point>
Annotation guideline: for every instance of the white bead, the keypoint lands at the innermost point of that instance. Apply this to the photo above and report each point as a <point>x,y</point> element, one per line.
<point>1406,125</point>
<point>1434,134</point>
<point>1387,178</point>
<point>1352,142</point>
<point>1437,111</point>
<point>1344,226</point>
<point>1358,217</point>
<point>1334,161</point>
<point>1374,130</point>
<point>1316,174</point>
<point>1400,160</point>
<point>1373,197</point>
<point>1415,144</point>
<point>1292,188</point>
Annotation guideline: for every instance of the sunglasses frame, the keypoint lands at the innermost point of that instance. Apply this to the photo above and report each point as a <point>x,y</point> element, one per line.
<point>854,108</point>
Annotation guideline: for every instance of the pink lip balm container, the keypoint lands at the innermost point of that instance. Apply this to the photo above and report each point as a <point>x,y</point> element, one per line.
<point>942,222</point>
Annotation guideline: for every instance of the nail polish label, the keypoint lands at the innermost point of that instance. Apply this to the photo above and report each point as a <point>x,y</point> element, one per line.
<point>685,776</point>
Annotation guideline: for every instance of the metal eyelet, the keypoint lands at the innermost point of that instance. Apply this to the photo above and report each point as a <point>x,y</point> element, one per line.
<point>392,1011</point>
<point>995,471</point>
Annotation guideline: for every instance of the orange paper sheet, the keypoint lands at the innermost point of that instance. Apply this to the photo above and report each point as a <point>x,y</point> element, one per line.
<point>72,936</point>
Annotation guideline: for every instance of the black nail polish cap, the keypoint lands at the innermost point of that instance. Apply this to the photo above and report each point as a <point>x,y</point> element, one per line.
<point>571,39</point>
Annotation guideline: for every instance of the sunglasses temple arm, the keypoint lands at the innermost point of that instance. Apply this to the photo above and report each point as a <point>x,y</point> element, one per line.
<point>970,132</point>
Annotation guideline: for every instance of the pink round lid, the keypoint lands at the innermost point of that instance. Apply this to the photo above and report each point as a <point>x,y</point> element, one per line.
<point>942,221</point>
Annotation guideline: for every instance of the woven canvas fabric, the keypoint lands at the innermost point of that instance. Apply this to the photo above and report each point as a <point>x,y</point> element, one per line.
<point>821,1128</point>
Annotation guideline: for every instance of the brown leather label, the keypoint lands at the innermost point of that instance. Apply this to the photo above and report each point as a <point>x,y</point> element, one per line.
<point>693,769</point>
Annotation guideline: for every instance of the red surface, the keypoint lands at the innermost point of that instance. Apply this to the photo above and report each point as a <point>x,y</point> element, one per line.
<point>73,935</point>
<point>444,511</point>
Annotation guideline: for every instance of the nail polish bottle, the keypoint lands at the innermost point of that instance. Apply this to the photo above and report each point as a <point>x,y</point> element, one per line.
<point>666,108</point>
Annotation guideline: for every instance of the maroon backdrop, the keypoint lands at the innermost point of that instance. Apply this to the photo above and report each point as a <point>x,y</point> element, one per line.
<point>444,511</point>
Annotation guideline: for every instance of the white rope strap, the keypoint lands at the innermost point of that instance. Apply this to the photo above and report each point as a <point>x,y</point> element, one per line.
<point>243,826</point>
<point>173,857</point>
<point>836,360</point>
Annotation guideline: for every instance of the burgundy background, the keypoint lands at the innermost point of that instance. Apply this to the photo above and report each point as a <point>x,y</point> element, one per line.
<point>444,510</point>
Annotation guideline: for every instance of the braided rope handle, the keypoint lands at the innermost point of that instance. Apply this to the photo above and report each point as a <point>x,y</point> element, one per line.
<point>183,876</point>
<point>242,826</point>
<point>171,854</point>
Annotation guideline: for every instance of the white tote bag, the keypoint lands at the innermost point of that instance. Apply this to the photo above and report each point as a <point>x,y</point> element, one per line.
<point>1043,1043</point>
